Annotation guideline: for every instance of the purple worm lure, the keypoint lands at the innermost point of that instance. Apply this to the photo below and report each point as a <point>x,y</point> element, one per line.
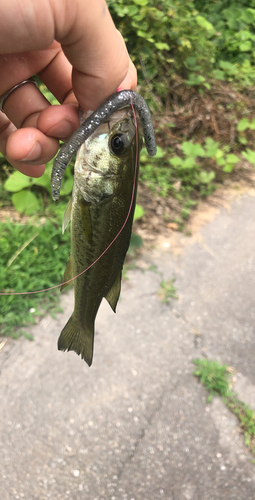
<point>114,103</point>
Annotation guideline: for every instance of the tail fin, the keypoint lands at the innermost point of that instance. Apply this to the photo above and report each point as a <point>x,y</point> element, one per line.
<point>75,338</point>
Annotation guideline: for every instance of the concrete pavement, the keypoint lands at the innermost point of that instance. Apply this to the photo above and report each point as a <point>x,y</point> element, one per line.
<point>136,424</point>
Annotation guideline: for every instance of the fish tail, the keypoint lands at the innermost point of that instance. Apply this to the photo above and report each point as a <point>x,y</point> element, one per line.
<point>76,338</point>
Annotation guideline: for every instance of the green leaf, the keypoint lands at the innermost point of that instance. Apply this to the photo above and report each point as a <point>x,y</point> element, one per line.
<point>218,74</point>
<point>176,161</point>
<point>242,140</point>
<point>220,162</point>
<point>17,181</point>
<point>191,64</point>
<point>160,152</point>
<point>245,46</point>
<point>232,158</point>
<point>162,46</point>
<point>249,155</point>
<point>252,125</point>
<point>142,3</point>
<point>191,149</point>
<point>144,34</point>
<point>243,125</point>
<point>201,21</point>
<point>25,202</point>
<point>43,181</point>
<point>229,68</point>
<point>139,212</point>
<point>228,168</point>
<point>211,147</point>
<point>132,10</point>
<point>206,177</point>
<point>67,187</point>
<point>195,80</point>
<point>219,154</point>
<point>188,163</point>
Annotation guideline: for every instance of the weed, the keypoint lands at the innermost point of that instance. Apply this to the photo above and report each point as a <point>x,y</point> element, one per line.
<point>167,291</point>
<point>215,378</point>
<point>189,175</point>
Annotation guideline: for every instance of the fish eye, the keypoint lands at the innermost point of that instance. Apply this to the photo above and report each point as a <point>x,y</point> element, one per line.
<point>118,143</point>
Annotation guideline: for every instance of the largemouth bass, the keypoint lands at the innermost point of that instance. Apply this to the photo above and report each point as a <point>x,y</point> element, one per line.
<point>104,175</point>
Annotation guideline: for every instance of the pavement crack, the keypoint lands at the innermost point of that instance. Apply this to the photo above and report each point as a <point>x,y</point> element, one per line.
<point>142,434</point>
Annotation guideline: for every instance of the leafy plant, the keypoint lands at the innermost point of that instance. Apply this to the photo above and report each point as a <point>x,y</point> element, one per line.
<point>28,200</point>
<point>187,175</point>
<point>249,155</point>
<point>215,378</point>
<point>162,38</point>
<point>235,43</point>
<point>167,291</point>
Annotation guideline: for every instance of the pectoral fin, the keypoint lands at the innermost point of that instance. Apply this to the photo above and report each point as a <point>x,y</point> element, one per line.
<point>86,220</point>
<point>67,215</point>
<point>68,274</point>
<point>112,296</point>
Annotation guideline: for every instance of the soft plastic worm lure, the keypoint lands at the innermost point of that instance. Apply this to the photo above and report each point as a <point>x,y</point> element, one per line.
<point>115,102</point>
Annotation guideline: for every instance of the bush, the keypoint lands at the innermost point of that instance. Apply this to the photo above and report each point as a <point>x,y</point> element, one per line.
<point>164,38</point>
<point>194,41</point>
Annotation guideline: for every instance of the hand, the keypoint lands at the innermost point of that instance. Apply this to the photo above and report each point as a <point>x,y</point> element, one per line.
<point>75,49</point>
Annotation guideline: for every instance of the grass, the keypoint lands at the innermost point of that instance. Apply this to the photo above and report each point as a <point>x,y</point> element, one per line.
<point>215,378</point>
<point>32,257</point>
<point>167,291</point>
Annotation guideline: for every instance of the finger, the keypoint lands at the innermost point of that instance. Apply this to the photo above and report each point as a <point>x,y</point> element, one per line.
<point>59,121</point>
<point>24,104</point>
<point>24,107</point>
<point>95,49</point>
<point>130,79</point>
<point>27,147</point>
<point>19,66</point>
<point>57,76</point>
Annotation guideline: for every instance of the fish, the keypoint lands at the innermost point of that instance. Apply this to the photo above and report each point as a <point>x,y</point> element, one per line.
<point>101,207</point>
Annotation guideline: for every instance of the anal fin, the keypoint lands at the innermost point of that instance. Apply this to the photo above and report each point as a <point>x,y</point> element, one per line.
<point>112,296</point>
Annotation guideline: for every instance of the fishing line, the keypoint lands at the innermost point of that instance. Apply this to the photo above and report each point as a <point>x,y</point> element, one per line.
<point>117,235</point>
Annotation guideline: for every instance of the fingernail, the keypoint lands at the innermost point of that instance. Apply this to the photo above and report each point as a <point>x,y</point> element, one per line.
<point>34,154</point>
<point>119,89</point>
<point>63,129</point>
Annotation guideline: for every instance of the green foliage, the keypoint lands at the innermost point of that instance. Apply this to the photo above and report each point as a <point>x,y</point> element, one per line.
<point>215,378</point>
<point>28,192</point>
<point>186,176</point>
<point>167,291</point>
<point>32,257</point>
<point>196,40</point>
<point>162,38</point>
<point>234,24</point>
<point>249,155</point>
<point>139,212</point>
